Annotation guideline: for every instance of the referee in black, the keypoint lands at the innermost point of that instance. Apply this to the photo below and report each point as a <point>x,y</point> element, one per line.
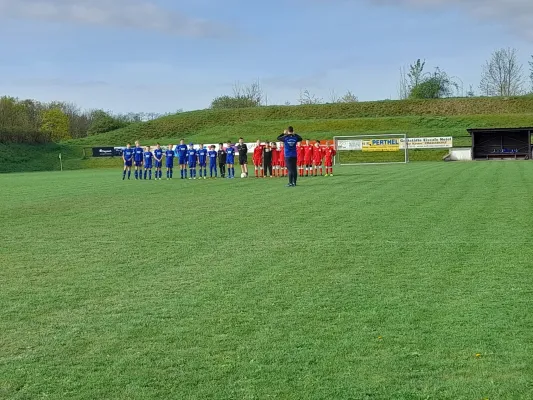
<point>289,138</point>
<point>242,148</point>
<point>221,160</point>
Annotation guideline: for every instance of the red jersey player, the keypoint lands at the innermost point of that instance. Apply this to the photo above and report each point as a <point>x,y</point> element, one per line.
<point>300,158</point>
<point>329,153</point>
<point>275,159</point>
<point>281,159</point>
<point>317,158</point>
<point>308,158</point>
<point>258,159</point>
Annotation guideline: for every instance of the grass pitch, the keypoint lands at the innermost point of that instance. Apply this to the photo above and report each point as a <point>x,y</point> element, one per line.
<point>387,282</point>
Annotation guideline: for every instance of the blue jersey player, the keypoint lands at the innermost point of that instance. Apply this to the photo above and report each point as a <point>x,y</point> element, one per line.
<point>158,156</point>
<point>127,156</point>
<point>169,154</point>
<point>148,158</point>
<point>202,160</point>
<point>181,153</point>
<point>192,157</point>
<point>230,160</point>
<point>138,155</point>
<point>212,154</point>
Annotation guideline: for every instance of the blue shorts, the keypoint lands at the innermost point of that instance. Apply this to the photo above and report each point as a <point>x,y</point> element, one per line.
<point>169,165</point>
<point>127,163</point>
<point>182,161</point>
<point>138,163</point>
<point>147,166</point>
<point>203,165</point>
<point>230,161</point>
<point>192,165</point>
<point>158,164</point>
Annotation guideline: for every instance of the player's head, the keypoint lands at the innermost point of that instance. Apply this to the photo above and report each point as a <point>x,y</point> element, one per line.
<point>285,131</point>
<point>229,142</point>
<point>290,129</point>
<point>298,144</point>
<point>213,147</point>
<point>170,147</point>
<point>147,148</point>
<point>273,144</point>
<point>317,143</point>
<point>137,143</point>
<point>258,142</point>
<point>281,144</point>
<point>221,146</point>
<point>191,145</point>
<point>128,146</point>
<point>307,142</point>
<point>328,143</point>
<point>182,141</point>
<point>158,145</point>
<point>241,140</point>
<point>201,145</point>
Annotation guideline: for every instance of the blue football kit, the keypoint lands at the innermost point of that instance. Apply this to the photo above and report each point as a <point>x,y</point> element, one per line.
<point>128,158</point>
<point>202,161</point>
<point>169,155</point>
<point>192,158</point>
<point>148,157</point>
<point>212,154</point>
<point>230,159</point>
<point>181,153</point>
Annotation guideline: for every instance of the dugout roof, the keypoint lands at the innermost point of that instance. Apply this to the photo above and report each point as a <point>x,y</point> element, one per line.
<point>501,142</point>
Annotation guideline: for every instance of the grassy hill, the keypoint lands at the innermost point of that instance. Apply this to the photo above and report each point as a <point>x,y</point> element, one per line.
<point>443,117</point>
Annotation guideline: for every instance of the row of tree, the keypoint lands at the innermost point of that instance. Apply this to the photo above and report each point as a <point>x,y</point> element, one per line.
<point>502,75</point>
<point>30,121</point>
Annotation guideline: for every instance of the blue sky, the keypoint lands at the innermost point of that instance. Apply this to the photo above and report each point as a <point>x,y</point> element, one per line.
<point>162,55</point>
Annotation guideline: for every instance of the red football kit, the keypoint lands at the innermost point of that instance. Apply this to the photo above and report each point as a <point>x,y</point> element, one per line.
<point>275,157</point>
<point>281,157</point>
<point>258,155</point>
<point>329,153</point>
<point>308,155</point>
<point>317,156</point>
<point>300,154</point>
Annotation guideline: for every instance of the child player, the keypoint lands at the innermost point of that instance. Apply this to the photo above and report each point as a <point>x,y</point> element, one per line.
<point>169,155</point>
<point>202,161</point>
<point>127,156</point>
<point>308,158</point>
<point>317,158</point>
<point>212,154</point>
<point>230,160</point>
<point>221,153</point>
<point>281,159</point>
<point>148,157</point>
<point>329,153</point>
<point>138,155</point>
<point>158,156</point>
<point>300,158</point>
<point>193,158</point>
<point>181,153</point>
<point>258,161</point>
<point>275,159</point>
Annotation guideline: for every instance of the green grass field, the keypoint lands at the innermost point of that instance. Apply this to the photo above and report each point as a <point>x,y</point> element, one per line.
<point>383,282</point>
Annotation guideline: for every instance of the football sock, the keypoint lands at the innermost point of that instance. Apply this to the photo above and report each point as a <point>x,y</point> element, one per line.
<point>136,175</point>
<point>123,174</point>
<point>150,174</point>
<point>129,174</point>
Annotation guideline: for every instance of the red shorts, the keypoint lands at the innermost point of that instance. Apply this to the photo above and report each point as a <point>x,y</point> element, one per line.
<point>317,162</point>
<point>257,162</point>
<point>300,162</point>
<point>308,161</point>
<point>328,163</point>
<point>282,162</point>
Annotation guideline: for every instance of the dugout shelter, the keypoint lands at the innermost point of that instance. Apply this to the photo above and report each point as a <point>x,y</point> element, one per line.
<point>501,143</point>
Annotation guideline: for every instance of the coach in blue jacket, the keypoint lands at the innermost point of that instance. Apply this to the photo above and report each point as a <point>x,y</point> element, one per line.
<point>289,138</point>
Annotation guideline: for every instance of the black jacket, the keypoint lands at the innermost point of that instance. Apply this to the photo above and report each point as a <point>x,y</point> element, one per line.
<point>221,157</point>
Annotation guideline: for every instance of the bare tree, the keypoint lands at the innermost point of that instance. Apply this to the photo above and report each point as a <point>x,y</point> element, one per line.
<point>416,74</point>
<point>253,92</point>
<point>333,96</point>
<point>307,97</point>
<point>349,97</point>
<point>403,89</point>
<point>502,74</point>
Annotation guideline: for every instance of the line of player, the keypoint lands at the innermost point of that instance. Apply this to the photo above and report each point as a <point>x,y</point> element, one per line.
<point>268,160</point>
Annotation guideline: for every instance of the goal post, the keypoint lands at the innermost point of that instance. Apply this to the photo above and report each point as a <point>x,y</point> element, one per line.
<point>385,148</point>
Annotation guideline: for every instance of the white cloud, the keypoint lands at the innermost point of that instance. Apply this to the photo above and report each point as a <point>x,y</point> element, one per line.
<point>134,14</point>
<point>514,14</point>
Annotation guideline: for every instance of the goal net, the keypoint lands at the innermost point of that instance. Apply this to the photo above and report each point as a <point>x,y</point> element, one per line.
<point>371,149</point>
